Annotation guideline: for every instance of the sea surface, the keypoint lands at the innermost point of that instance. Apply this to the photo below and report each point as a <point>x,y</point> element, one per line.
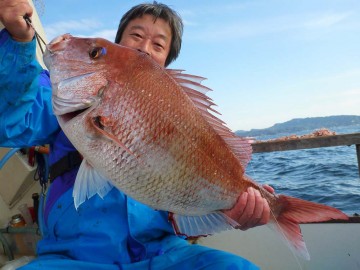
<point>327,175</point>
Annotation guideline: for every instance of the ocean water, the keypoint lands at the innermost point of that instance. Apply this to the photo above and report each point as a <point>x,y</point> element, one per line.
<point>327,175</point>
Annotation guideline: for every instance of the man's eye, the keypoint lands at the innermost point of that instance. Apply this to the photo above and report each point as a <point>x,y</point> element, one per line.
<point>136,35</point>
<point>158,45</point>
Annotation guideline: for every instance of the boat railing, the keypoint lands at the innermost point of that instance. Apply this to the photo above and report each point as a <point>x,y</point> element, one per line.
<point>307,143</point>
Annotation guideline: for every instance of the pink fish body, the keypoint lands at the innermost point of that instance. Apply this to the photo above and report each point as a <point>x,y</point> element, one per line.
<point>148,131</point>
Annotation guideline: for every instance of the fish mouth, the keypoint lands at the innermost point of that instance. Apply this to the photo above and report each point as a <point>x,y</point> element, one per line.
<point>66,109</point>
<point>67,104</point>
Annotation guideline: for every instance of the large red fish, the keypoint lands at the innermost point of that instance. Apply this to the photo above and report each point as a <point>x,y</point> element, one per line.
<point>149,131</point>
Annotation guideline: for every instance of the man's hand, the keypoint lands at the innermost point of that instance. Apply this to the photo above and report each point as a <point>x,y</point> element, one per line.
<point>251,209</point>
<point>12,14</point>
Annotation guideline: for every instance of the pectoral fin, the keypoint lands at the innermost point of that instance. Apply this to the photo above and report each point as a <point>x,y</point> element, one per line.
<point>100,123</point>
<point>88,183</point>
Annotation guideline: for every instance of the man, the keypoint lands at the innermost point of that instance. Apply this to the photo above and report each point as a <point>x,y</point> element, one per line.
<point>116,232</point>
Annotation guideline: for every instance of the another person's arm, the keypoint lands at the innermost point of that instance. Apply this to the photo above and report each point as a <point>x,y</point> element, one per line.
<point>26,116</point>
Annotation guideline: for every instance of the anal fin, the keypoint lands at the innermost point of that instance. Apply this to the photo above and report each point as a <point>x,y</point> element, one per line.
<point>193,226</point>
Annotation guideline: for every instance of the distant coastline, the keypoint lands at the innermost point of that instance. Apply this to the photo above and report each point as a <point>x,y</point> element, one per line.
<point>301,124</point>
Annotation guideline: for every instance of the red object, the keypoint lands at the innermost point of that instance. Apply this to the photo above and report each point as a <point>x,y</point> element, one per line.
<point>31,156</point>
<point>42,149</point>
<point>32,213</point>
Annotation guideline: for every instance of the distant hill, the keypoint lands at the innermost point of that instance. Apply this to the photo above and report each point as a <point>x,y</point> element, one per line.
<point>300,124</point>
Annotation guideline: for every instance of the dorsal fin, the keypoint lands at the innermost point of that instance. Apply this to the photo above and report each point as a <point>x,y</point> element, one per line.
<point>192,86</point>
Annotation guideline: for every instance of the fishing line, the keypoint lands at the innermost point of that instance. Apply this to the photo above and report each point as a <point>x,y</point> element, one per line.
<point>39,39</point>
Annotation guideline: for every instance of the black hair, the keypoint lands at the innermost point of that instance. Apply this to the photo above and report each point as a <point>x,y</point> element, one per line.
<point>157,10</point>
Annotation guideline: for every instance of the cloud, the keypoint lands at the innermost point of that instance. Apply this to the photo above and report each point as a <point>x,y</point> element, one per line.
<point>213,9</point>
<point>191,16</point>
<point>108,34</point>
<point>326,20</point>
<point>345,75</point>
<point>71,26</point>
<point>290,23</point>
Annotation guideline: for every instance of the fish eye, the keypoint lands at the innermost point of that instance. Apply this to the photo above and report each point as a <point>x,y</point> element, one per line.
<point>97,52</point>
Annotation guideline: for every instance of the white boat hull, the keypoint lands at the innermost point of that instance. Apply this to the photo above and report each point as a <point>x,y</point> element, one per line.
<point>331,246</point>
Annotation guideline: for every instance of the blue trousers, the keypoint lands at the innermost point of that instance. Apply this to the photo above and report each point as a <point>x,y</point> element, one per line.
<point>184,257</point>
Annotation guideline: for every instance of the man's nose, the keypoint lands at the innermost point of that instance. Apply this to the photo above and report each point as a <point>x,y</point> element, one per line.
<point>144,47</point>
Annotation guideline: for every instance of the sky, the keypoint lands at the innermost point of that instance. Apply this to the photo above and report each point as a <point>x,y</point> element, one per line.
<point>267,61</point>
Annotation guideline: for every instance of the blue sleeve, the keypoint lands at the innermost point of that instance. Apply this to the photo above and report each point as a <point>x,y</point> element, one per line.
<point>26,116</point>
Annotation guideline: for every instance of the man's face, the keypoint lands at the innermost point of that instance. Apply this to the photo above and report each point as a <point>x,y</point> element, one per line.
<point>149,36</point>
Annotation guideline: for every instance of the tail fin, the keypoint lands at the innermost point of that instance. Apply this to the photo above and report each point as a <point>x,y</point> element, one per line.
<point>295,211</point>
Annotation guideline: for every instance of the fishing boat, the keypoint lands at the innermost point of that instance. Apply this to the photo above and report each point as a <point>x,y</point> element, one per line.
<point>332,245</point>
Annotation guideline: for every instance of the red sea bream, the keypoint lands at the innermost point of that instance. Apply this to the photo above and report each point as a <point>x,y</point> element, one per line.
<point>150,132</point>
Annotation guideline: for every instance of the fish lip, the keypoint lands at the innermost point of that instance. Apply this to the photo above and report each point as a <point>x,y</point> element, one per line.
<point>56,44</point>
<point>67,109</point>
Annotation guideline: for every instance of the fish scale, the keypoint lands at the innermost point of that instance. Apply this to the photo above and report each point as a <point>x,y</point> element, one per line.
<point>159,129</point>
<point>148,131</point>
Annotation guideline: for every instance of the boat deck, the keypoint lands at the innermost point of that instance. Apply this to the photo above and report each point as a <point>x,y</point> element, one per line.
<point>332,246</point>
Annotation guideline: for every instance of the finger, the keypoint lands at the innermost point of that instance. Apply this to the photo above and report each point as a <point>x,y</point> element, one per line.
<point>237,210</point>
<point>249,208</point>
<point>11,15</point>
<point>21,10</point>
<point>266,213</point>
<point>257,213</point>
<point>269,188</point>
